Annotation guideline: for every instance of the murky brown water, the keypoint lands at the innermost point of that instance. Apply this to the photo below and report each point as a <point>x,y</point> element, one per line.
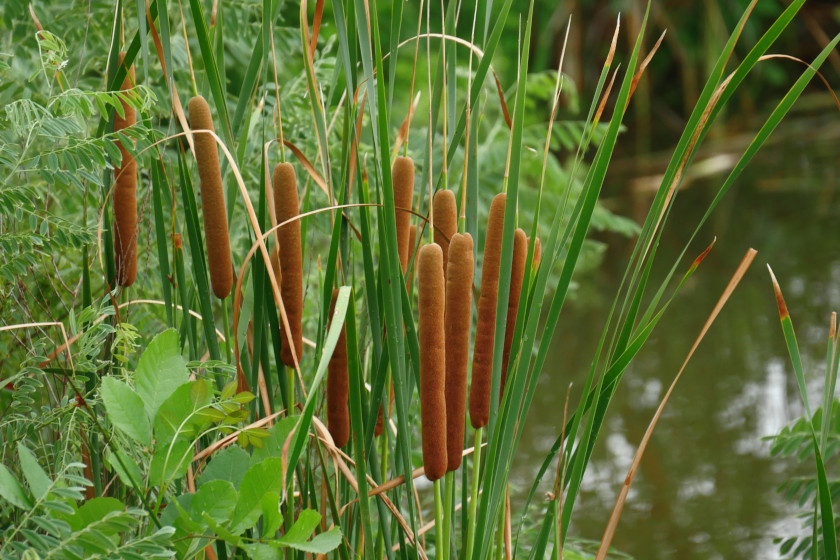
<point>706,488</point>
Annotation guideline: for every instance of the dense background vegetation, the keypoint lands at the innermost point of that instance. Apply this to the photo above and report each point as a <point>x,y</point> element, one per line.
<point>125,443</point>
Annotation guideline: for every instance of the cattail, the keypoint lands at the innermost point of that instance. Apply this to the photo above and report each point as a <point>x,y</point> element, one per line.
<point>403,180</point>
<point>412,246</point>
<point>517,273</point>
<point>431,307</point>
<point>212,199</point>
<point>458,314</point>
<point>486,323</point>
<point>446,221</point>
<point>125,195</point>
<point>338,388</point>
<point>286,207</point>
<point>537,254</point>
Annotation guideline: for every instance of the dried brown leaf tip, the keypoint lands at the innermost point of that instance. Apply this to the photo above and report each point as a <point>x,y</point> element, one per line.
<point>780,300</point>
<point>704,254</point>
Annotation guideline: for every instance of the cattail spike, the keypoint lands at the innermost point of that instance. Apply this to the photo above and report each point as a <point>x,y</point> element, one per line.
<point>431,307</point>
<point>446,222</point>
<point>403,180</point>
<point>338,388</point>
<point>459,283</point>
<point>287,206</point>
<point>537,254</point>
<point>486,324</point>
<point>212,199</point>
<point>517,274</point>
<point>125,195</point>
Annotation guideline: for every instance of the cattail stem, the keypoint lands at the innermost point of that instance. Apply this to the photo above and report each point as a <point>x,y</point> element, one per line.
<point>439,527</point>
<point>448,501</point>
<point>474,491</point>
<point>226,321</point>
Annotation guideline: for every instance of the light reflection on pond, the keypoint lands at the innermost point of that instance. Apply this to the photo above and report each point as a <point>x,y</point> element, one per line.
<point>706,487</point>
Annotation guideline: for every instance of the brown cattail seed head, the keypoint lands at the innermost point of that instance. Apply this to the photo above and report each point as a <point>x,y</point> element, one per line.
<point>403,180</point>
<point>517,273</point>
<point>212,199</point>
<point>431,307</point>
<point>445,214</point>
<point>486,323</point>
<point>459,282</point>
<point>535,263</point>
<point>286,207</point>
<point>338,388</point>
<point>125,195</point>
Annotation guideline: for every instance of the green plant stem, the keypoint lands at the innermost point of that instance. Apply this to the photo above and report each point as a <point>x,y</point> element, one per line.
<point>380,540</point>
<point>448,499</point>
<point>226,321</point>
<point>439,530</point>
<point>500,534</point>
<point>290,505</point>
<point>474,493</point>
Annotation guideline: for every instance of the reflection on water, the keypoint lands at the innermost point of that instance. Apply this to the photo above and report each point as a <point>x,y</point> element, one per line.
<point>706,487</point>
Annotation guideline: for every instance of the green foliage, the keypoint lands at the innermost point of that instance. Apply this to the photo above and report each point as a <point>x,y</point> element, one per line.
<point>51,525</point>
<point>154,382</point>
<point>796,442</point>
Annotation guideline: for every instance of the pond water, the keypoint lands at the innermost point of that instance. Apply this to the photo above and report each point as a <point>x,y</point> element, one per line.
<point>707,485</point>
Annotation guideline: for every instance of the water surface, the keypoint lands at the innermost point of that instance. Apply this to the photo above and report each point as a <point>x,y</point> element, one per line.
<point>706,487</point>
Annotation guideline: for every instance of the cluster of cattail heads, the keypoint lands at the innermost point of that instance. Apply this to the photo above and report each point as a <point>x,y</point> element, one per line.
<point>125,195</point>
<point>212,199</point>
<point>287,209</point>
<point>445,281</point>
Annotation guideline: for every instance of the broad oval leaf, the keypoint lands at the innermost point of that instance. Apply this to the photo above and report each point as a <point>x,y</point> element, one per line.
<point>125,410</point>
<point>160,371</point>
